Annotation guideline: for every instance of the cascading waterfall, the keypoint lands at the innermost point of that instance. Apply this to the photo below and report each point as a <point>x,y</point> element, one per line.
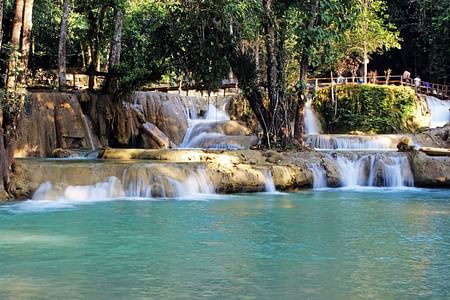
<point>88,131</point>
<point>374,170</point>
<point>319,175</point>
<point>354,142</point>
<point>440,111</point>
<point>136,182</point>
<point>269,184</point>
<point>205,133</point>
<point>312,124</point>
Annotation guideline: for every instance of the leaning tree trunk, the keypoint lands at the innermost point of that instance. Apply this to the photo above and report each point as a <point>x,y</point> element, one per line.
<point>62,47</point>
<point>114,58</point>
<point>26,34</point>
<point>15,44</point>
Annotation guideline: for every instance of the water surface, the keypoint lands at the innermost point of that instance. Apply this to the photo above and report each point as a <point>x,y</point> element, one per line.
<point>339,244</point>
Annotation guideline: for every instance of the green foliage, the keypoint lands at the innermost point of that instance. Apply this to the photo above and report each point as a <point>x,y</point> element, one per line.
<point>424,27</point>
<point>368,108</point>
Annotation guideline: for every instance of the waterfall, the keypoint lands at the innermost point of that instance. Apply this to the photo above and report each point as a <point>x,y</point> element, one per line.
<point>312,124</point>
<point>354,142</point>
<point>440,111</point>
<point>136,182</point>
<point>269,184</point>
<point>88,131</point>
<point>374,170</point>
<point>319,175</point>
<point>208,132</point>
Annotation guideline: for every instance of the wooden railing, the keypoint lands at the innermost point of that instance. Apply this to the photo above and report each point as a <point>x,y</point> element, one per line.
<point>438,90</point>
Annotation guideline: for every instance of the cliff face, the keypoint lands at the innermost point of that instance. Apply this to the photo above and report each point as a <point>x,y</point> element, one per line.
<point>52,120</point>
<point>83,120</point>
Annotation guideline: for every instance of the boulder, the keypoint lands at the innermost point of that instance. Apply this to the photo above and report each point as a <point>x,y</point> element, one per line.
<point>154,138</point>
<point>235,128</point>
<point>166,111</point>
<point>430,171</point>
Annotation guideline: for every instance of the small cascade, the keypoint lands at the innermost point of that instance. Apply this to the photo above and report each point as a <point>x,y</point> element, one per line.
<point>136,182</point>
<point>269,184</point>
<point>207,132</point>
<point>440,111</point>
<point>312,124</point>
<point>354,142</point>
<point>319,174</point>
<point>87,126</point>
<point>374,170</point>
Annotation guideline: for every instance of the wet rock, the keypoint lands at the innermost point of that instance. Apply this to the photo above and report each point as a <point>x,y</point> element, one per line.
<point>235,128</point>
<point>291,177</point>
<point>430,171</point>
<point>404,144</point>
<point>166,111</point>
<point>61,153</point>
<point>154,138</point>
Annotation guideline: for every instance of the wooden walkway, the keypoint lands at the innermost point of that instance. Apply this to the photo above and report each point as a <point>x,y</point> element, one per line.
<point>426,88</point>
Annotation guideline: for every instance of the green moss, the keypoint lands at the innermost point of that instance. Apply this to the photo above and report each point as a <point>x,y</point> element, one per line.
<point>368,108</point>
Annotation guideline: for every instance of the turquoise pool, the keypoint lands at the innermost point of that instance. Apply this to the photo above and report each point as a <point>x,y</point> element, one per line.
<point>324,244</point>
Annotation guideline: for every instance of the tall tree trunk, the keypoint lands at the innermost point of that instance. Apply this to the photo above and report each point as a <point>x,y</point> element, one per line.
<point>9,118</point>
<point>99,36</point>
<point>26,33</point>
<point>15,44</point>
<point>270,40</point>
<point>62,47</point>
<point>303,77</point>
<point>1,23</point>
<point>299,116</point>
<point>116,47</point>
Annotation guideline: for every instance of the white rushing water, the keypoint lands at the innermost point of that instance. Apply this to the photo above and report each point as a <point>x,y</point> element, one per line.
<point>385,170</point>
<point>206,131</point>
<point>440,111</point>
<point>319,174</point>
<point>135,183</point>
<point>354,142</point>
<point>269,184</point>
<point>87,125</point>
<point>312,124</point>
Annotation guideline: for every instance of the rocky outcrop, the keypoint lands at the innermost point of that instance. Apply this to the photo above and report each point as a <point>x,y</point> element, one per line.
<point>166,111</point>
<point>52,120</point>
<point>430,171</point>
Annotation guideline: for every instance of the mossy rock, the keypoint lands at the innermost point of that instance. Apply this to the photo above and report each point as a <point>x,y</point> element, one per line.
<point>371,108</point>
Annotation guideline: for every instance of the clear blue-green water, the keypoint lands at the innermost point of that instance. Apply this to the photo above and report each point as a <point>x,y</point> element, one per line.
<point>332,244</point>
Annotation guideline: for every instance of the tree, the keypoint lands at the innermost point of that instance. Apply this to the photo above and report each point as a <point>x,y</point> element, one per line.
<point>318,26</point>
<point>62,47</point>
<point>26,34</point>
<point>13,97</point>
<point>1,23</point>
<point>114,58</point>
<point>13,62</point>
<point>371,32</point>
